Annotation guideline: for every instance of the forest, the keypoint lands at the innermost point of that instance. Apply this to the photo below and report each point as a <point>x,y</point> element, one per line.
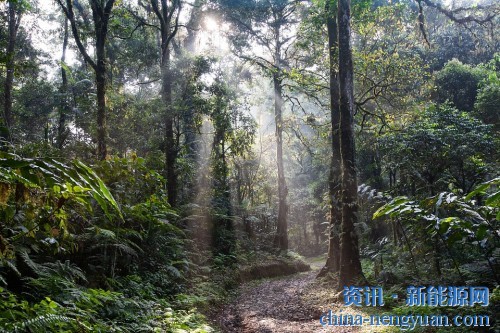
<point>243,165</point>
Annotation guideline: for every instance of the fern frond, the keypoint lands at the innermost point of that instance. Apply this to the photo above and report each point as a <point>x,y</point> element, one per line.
<point>41,323</point>
<point>104,233</point>
<point>11,265</point>
<point>28,261</point>
<point>125,248</point>
<point>66,269</point>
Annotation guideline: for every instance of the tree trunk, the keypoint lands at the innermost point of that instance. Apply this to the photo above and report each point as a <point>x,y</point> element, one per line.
<point>281,240</point>
<point>333,260</point>
<point>102,151</point>
<point>165,14</point>
<point>189,116</point>
<point>100,75</point>
<point>61,129</point>
<point>350,265</point>
<point>170,148</point>
<point>191,109</point>
<point>101,13</point>
<point>13,26</point>
<point>193,26</point>
<point>224,238</point>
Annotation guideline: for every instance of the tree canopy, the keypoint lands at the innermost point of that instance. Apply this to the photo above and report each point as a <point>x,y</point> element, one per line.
<point>155,154</point>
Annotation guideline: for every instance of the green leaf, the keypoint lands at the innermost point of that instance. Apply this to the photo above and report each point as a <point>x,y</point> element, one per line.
<point>493,200</point>
<point>101,192</point>
<point>482,188</point>
<point>53,175</point>
<point>391,207</point>
<point>482,232</point>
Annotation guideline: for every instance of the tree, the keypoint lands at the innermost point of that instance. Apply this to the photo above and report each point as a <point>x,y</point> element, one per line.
<point>34,104</point>
<point>62,131</point>
<point>101,13</point>
<point>458,83</point>
<point>350,265</point>
<point>387,70</point>
<point>487,105</point>
<point>168,16</point>
<point>15,10</point>
<point>220,114</point>
<point>267,24</point>
<point>436,150</point>
<point>488,95</point>
<point>333,260</point>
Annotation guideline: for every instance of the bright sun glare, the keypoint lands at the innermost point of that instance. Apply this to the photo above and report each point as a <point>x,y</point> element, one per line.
<point>211,24</point>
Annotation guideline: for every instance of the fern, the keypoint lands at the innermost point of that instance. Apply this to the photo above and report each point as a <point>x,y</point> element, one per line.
<point>46,173</point>
<point>124,248</point>
<point>65,270</point>
<point>10,265</point>
<point>41,323</point>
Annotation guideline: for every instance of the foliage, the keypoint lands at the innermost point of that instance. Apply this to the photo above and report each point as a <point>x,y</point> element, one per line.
<point>91,310</point>
<point>458,222</point>
<point>458,83</point>
<point>488,95</point>
<point>95,247</point>
<point>18,316</point>
<point>487,104</point>
<point>49,264</point>
<point>473,46</point>
<point>390,75</point>
<point>435,150</point>
<point>38,197</point>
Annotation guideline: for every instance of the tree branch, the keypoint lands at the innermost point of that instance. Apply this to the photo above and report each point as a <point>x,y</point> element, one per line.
<point>68,11</point>
<point>492,11</point>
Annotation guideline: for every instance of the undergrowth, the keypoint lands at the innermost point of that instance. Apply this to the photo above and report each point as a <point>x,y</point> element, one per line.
<point>80,256</point>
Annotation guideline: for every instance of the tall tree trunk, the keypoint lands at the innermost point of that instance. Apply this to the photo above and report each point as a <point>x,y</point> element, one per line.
<point>281,239</point>
<point>191,110</point>
<point>170,146</point>
<point>14,19</point>
<point>193,28</point>
<point>350,265</point>
<point>101,78</point>
<point>101,12</point>
<point>333,260</point>
<point>165,14</point>
<point>102,150</point>
<point>224,238</point>
<point>61,129</point>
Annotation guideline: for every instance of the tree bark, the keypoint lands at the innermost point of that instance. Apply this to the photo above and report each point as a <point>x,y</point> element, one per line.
<point>170,146</point>
<point>193,26</point>
<point>165,15</point>
<point>190,135</point>
<point>333,260</point>
<point>102,150</point>
<point>101,13</point>
<point>281,239</point>
<point>101,19</point>
<point>14,19</point>
<point>350,265</point>
<point>61,129</point>
<point>224,237</point>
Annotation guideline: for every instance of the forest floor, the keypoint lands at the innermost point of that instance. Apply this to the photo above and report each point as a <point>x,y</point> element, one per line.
<point>288,304</point>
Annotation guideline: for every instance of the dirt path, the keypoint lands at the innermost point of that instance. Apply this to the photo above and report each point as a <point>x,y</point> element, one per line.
<point>289,304</point>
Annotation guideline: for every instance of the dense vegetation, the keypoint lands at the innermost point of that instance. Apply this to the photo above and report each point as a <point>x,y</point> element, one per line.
<point>154,154</point>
